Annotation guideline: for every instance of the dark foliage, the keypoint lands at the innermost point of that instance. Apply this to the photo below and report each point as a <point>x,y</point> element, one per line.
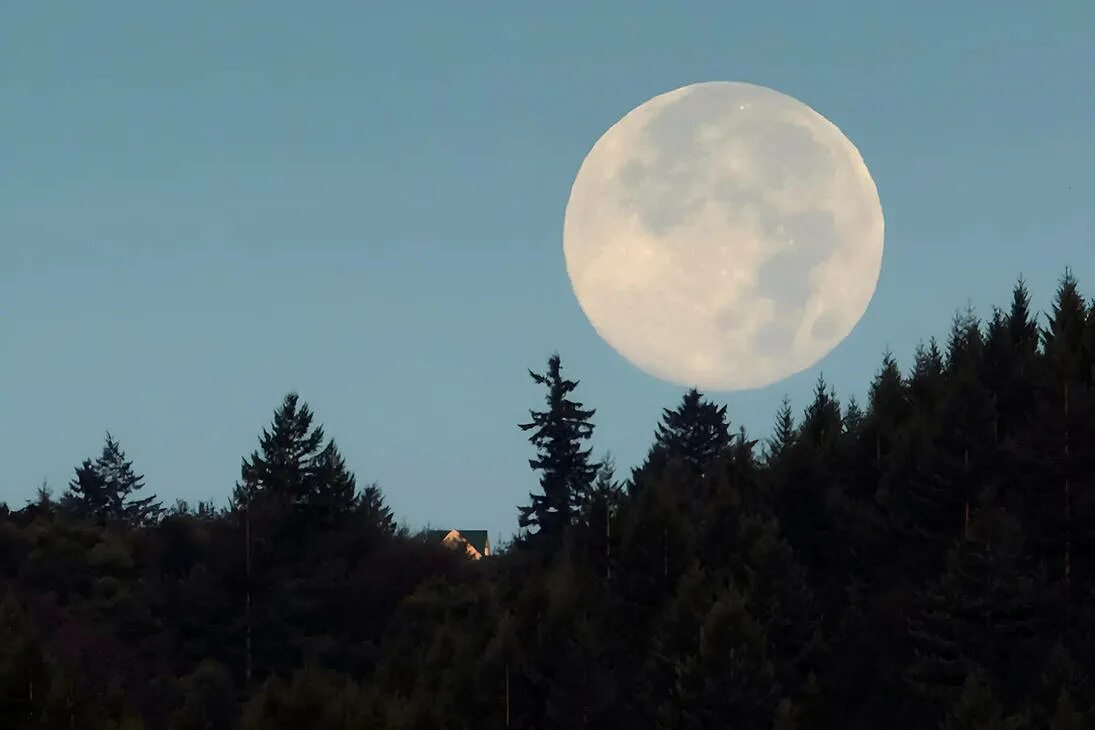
<point>927,561</point>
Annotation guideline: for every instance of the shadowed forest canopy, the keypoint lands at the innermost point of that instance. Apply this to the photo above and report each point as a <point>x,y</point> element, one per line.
<point>923,560</point>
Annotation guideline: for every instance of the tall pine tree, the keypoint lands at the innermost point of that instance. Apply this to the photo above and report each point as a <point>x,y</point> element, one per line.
<point>566,472</point>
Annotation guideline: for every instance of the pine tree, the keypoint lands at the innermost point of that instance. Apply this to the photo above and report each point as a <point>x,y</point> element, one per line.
<point>783,437</point>
<point>1052,472</point>
<point>926,382</point>
<point>853,417</point>
<point>1063,340</point>
<point>810,495</point>
<point>599,534</point>
<point>293,472</point>
<point>822,423</point>
<point>566,473</point>
<point>729,679</point>
<point>105,489</point>
<point>87,495</point>
<point>983,611</point>
<point>330,488</point>
<point>888,405</point>
<point>375,511</point>
<point>695,432</point>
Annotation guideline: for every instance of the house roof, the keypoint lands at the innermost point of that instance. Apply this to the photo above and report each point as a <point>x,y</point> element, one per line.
<point>478,539</point>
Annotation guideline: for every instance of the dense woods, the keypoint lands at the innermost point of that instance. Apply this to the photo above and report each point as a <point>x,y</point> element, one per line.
<point>925,559</point>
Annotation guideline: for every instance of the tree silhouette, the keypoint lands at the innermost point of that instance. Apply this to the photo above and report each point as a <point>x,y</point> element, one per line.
<point>566,472</point>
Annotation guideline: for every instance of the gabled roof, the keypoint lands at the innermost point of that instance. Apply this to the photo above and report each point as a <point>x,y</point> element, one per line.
<point>478,540</point>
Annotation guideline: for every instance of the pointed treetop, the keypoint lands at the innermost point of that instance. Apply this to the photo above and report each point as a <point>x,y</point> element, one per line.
<point>853,416</point>
<point>822,420</point>
<point>1022,326</point>
<point>965,341</point>
<point>783,435</point>
<point>566,472</point>
<point>696,431</point>
<point>888,396</point>
<point>1063,339</point>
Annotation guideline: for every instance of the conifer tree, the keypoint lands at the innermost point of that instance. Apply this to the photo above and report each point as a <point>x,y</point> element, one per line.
<point>822,423</point>
<point>375,510</point>
<point>853,417</point>
<point>330,487</point>
<point>566,472</point>
<point>982,612</point>
<point>599,515</point>
<point>888,408</point>
<point>695,432</point>
<point>730,676</point>
<point>1051,469</point>
<point>810,497</point>
<point>783,436</point>
<point>106,488</point>
<point>87,495</point>
<point>1063,339</point>
<point>926,381</point>
<point>294,472</point>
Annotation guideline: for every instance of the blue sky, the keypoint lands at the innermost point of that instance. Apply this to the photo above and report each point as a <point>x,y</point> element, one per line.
<point>204,205</point>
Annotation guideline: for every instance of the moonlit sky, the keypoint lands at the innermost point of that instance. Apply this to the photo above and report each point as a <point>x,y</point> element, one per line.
<point>206,204</point>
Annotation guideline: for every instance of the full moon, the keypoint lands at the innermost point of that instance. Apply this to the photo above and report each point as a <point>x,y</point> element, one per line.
<point>724,236</point>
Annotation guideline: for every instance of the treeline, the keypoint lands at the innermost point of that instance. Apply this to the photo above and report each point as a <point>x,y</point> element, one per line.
<point>924,560</point>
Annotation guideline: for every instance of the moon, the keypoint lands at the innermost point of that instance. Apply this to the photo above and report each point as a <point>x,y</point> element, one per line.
<point>724,236</point>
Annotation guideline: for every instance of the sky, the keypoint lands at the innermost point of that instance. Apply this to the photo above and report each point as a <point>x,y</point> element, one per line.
<point>205,205</point>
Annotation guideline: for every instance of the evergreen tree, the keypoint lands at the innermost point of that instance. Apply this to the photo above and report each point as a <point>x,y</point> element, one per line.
<point>729,678</point>
<point>810,494</point>
<point>87,496</point>
<point>375,511</point>
<point>331,488</point>
<point>853,417</point>
<point>1063,339</point>
<point>783,437</point>
<point>566,473</point>
<point>983,612</point>
<point>294,472</point>
<point>822,422</point>
<point>105,489</point>
<point>1052,472</point>
<point>926,382</point>
<point>599,534</point>
<point>695,432</point>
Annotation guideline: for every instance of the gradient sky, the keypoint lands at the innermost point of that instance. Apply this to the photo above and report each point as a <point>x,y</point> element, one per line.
<point>204,205</point>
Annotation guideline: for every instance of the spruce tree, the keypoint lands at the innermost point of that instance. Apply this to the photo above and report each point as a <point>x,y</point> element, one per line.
<point>926,380</point>
<point>1052,470</point>
<point>106,488</point>
<point>566,472</point>
<point>1063,338</point>
<point>695,432</point>
<point>375,511</point>
<point>87,496</point>
<point>783,436</point>
<point>294,472</point>
<point>983,612</point>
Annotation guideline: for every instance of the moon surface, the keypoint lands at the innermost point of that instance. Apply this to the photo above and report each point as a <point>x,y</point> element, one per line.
<point>723,236</point>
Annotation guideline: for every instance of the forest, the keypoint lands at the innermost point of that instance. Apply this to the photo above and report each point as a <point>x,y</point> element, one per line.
<point>925,559</point>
